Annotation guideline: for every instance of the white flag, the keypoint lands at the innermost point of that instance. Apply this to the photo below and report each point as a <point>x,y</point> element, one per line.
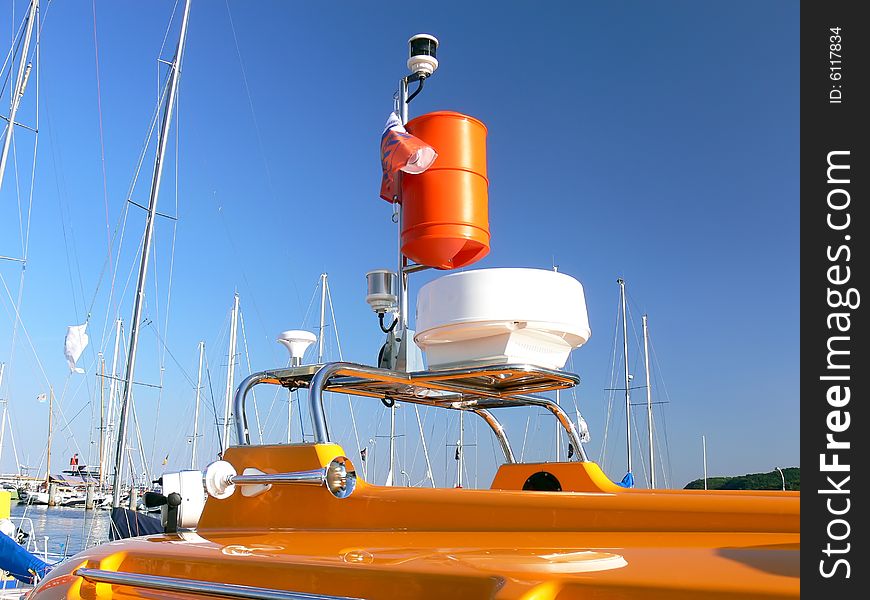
<point>74,344</point>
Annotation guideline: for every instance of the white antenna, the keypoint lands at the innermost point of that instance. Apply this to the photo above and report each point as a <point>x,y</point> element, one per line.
<point>296,341</point>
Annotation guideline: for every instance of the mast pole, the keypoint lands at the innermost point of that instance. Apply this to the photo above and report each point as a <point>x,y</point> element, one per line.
<point>557,437</point>
<point>704,446</point>
<point>6,418</point>
<point>20,84</point>
<point>425,449</point>
<point>392,444</point>
<point>402,292</point>
<point>196,406</point>
<point>113,383</point>
<point>621,283</point>
<point>3,418</point>
<point>102,413</point>
<point>649,416</point>
<point>231,368</point>
<point>163,138</point>
<point>5,407</point>
<point>322,317</point>
<point>461,448</point>
<point>289,415</point>
<point>48,447</point>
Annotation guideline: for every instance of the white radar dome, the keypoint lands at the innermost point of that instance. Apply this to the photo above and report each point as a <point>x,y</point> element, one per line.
<point>501,316</point>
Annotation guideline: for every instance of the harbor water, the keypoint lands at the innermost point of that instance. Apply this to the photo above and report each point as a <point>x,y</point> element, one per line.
<point>59,531</point>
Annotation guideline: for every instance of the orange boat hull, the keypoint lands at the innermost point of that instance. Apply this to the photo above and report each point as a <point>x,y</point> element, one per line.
<point>596,541</point>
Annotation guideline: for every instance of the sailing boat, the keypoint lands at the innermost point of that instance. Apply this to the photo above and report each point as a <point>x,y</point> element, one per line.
<point>163,138</point>
<point>26,47</point>
<point>650,464</point>
<point>296,520</point>
<point>25,44</point>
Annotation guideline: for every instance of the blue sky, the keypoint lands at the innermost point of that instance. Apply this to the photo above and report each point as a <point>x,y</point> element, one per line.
<point>654,141</point>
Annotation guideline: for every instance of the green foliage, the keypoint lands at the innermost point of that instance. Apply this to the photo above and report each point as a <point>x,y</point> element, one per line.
<point>752,481</point>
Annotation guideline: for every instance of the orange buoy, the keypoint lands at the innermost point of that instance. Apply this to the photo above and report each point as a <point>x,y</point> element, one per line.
<point>445,212</point>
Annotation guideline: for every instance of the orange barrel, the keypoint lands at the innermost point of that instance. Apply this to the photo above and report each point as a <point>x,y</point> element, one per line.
<point>445,212</point>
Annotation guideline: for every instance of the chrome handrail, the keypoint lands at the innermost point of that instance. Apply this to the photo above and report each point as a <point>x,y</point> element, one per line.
<point>446,390</point>
<point>196,586</point>
<point>338,477</point>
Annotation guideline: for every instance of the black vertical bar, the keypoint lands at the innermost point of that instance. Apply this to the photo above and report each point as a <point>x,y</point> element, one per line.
<point>834,228</point>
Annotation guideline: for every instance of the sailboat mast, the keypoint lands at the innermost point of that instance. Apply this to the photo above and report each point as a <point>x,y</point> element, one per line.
<point>48,446</point>
<point>289,416</point>
<point>113,384</point>
<point>102,413</point>
<point>649,418</point>
<point>5,408</point>
<point>322,317</point>
<point>175,72</point>
<point>20,84</point>
<point>704,450</point>
<point>392,444</point>
<point>196,407</point>
<point>425,449</point>
<point>461,448</point>
<point>3,419</point>
<point>557,435</point>
<point>231,368</point>
<point>621,283</point>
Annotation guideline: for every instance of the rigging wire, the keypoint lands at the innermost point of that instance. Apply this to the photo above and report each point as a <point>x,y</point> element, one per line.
<point>17,39</point>
<point>121,225</point>
<point>248,360</point>
<point>20,321</point>
<point>24,231</point>
<point>165,347</point>
<point>659,378</point>
<point>611,390</point>
<point>168,28</point>
<point>214,409</point>
<point>251,297</point>
<point>102,143</point>
<point>341,358</point>
<point>656,376</point>
<point>263,154</point>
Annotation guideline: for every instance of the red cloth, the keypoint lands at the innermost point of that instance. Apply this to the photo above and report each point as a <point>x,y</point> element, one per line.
<point>401,151</point>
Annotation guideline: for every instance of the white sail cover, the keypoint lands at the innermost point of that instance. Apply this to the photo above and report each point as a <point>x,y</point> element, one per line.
<point>75,343</point>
